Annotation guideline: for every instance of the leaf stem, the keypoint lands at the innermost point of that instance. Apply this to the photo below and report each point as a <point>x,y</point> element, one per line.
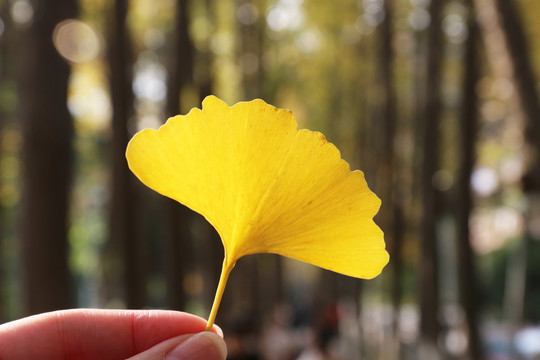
<point>225,271</point>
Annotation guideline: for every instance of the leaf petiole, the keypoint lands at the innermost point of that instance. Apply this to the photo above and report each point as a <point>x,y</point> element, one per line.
<point>225,271</point>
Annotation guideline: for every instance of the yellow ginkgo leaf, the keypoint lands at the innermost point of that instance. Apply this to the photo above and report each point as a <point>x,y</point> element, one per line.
<point>265,186</point>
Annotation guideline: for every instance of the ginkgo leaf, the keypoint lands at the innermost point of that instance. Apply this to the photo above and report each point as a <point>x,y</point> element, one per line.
<point>265,186</point>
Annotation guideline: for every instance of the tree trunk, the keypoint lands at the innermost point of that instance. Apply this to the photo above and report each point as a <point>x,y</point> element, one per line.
<point>468,126</point>
<point>178,217</point>
<point>3,71</point>
<point>181,62</point>
<point>252,43</point>
<point>505,40</point>
<point>225,62</point>
<point>429,294</point>
<point>47,131</point>
<point>391,210</point>
<point>125,242</point>
<point>526,83</point>
<point>251,33</point>
<point>204,59</point>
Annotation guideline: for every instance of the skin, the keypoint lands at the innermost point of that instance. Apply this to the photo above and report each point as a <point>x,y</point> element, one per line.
<point>110,335</point>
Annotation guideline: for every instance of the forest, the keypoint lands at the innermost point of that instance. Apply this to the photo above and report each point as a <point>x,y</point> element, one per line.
<point>436,101</point>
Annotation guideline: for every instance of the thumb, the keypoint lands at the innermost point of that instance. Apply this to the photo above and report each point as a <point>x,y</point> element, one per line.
<point>202,346</point>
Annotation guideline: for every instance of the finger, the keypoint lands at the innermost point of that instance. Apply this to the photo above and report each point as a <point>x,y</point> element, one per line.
<point>93,334</point>
<point>201,346</point>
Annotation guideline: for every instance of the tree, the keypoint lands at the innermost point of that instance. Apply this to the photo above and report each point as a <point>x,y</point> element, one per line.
<point>178,217</point>
<point>505,40</point>
<point>526,83</point>
<point>251,46</point>
<point>525,79</point>
<point>391,212</point>
<point>46,160</point>
<point>468,127</point>
<point>124,242</point>
<point>429,292</point>
<point>3,72</point>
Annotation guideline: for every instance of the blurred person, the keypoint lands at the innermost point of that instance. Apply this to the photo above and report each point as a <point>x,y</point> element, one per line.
<point>111,335</point>
<point>242,341</point>
<point>279,340</point>
<point>325,344</point>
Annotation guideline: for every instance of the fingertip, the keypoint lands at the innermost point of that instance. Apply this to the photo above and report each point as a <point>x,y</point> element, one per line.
<point>202,346</point>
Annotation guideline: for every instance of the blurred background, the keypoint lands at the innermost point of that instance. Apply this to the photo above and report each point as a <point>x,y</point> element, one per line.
<point>436,101</point>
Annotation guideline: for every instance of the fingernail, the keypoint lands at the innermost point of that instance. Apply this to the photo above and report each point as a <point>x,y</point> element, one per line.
<point>218,330</point>
<point>204,346</point>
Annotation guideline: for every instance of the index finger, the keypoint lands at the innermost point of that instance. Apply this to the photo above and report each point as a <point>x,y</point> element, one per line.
<point>93,334</point>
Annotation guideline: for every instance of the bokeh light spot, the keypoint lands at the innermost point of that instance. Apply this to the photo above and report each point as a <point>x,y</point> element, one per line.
<point>22,12</point>
<point>76,41</point>
<point>221,43</point>
<point>419,19</point>
<point>308,41</point>
<point>10,195</point>
<point>11,140</point>
<point>247,14</point>
<point>373,12</point>
<point>153,39</point>
<point>87,100</point>
<point>363,26</point>
<point>485,181</point>
<point>455,28</point>
<point>149,82</point>
<point>285,16</point>
<point>10,167</point>
<point>442,180</point>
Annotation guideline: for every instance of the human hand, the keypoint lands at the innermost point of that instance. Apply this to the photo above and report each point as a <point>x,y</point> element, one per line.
<point>110,335</point>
